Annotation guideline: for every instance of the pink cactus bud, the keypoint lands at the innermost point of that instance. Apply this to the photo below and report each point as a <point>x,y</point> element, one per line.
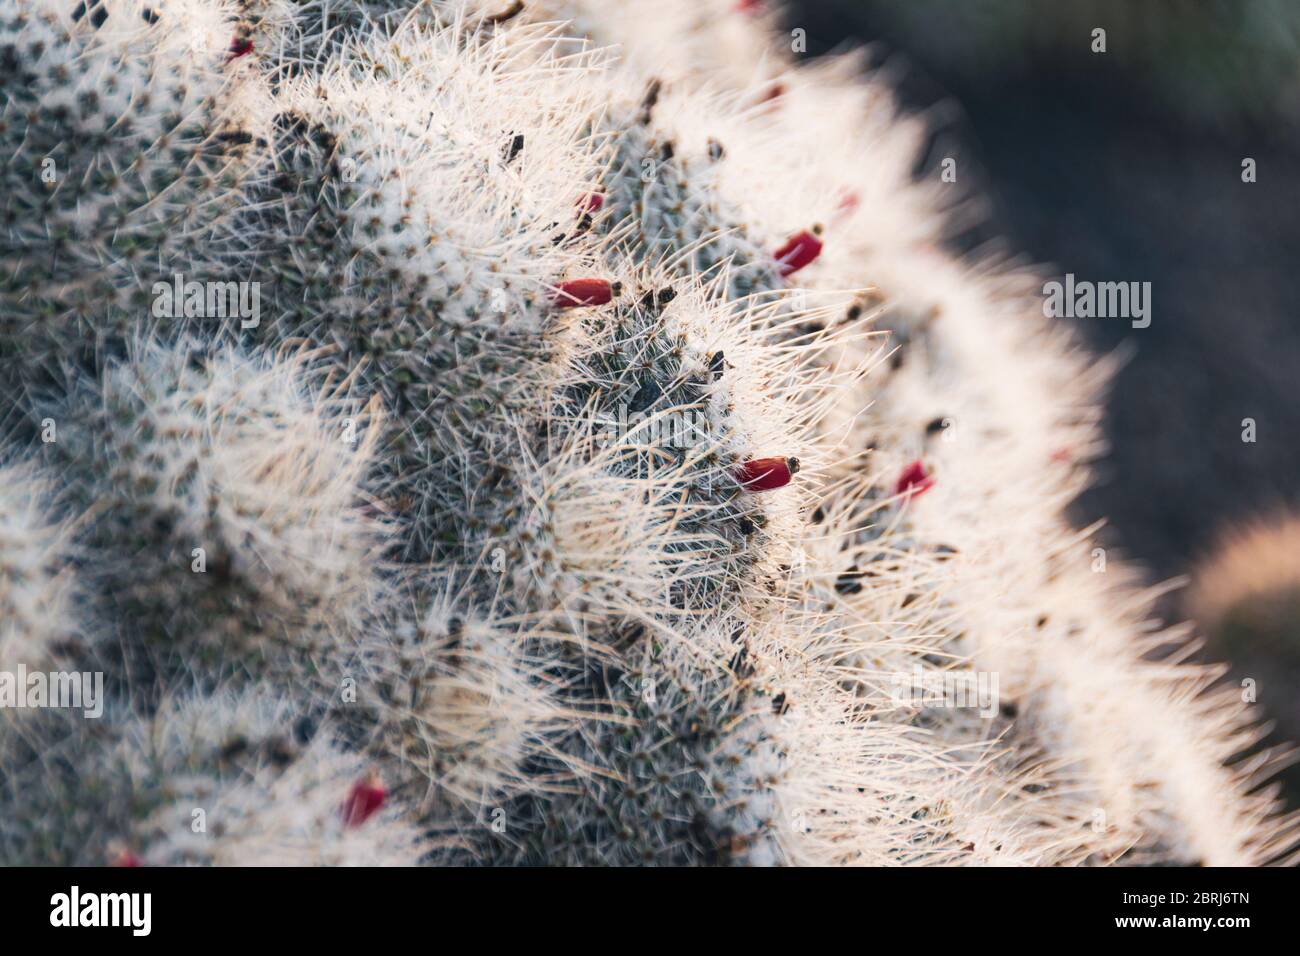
<point>847,205</point>
<point>799,250</point>
<point>749,6</point>
<point>914,480</point>
<point>364,801</point>
<point>239,47</point>
<point>763,474</point>
<point>591,202</point>
<point>120,856</point>
<point>576,292</point>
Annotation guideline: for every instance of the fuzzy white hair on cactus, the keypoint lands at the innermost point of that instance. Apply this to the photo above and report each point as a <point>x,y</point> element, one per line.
<point>36,578</point>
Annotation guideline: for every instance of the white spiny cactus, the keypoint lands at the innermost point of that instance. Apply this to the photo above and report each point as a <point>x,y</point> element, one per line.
<point>223,502</point>
<point>36,578</point>
<point>117,149</point>
<point>611,451</point>
<point>235,778</point>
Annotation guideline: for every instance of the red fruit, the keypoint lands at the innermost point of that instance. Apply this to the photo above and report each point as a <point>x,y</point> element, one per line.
<point>583,292</point>
<point>763,474</point>
<point>119,855</point>
<point>914,480</point>
<point>238,48</point>
<point>364,801</point>
<point>591,202</point>
<point>801,249</point>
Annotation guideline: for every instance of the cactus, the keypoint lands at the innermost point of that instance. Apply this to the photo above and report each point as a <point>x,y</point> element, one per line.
<point>36,583</point>
<point>120,153</point>
<point>222,510</point>
<point>233,778</point>
<point>509,450</point>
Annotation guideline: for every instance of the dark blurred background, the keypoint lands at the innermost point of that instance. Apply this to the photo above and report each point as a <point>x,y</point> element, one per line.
<point>1127,166</point>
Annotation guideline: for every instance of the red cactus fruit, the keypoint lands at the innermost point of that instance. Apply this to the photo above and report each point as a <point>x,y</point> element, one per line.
<point>591,202</point>
<point>763,474</point>
<point>120,856</point>
<point>574,292</point>
<point>914,480</point>
<point>364,801</point>
<point>800,249</point>
<point>239,47</point>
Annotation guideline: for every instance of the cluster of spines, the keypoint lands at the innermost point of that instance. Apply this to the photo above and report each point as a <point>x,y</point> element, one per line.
<point>222,778</point>
<point>37,583</point>
<point>220,502</point>
<point>117,158</point>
